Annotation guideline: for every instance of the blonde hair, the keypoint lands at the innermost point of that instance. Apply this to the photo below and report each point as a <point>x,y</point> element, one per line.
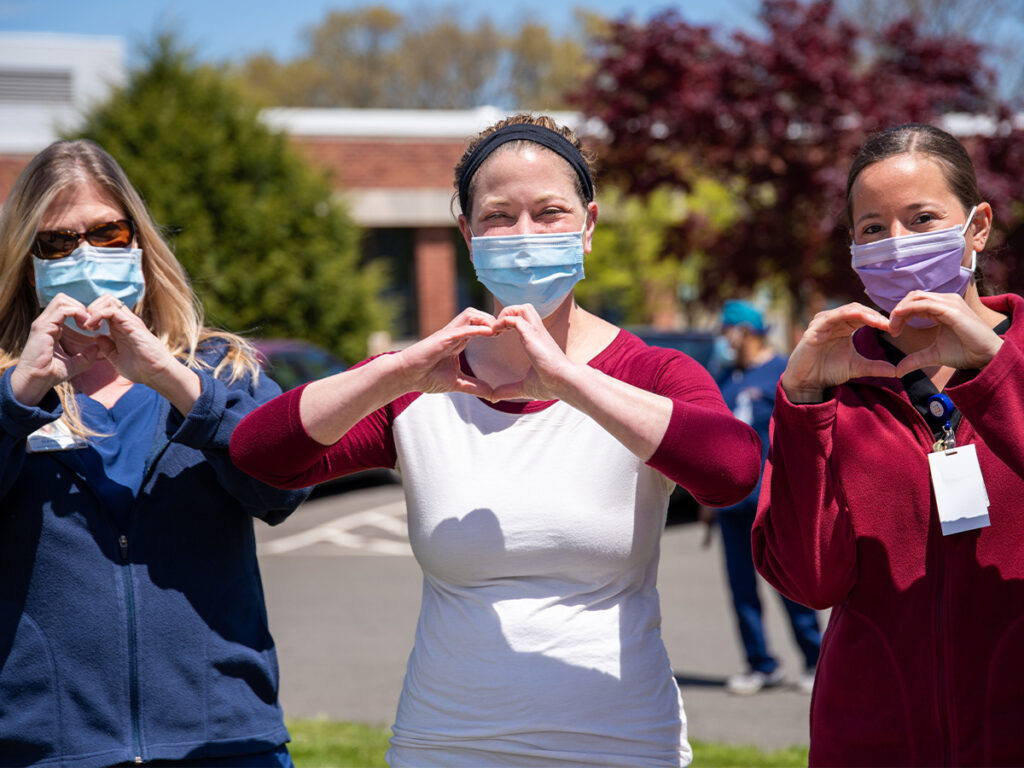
<point>168,307</point>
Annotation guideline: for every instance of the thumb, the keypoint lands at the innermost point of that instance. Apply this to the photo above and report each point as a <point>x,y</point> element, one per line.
<point>509,391</point>
<point>104,346</point>
<point>881,368</point>
<point>84,359</point>
<point>471,385</point>
<point>915,361</point>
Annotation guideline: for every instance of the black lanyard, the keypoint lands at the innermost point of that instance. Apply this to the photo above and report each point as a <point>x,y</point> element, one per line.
<point>919,387</point>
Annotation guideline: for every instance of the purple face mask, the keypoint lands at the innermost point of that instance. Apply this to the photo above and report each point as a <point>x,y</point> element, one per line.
<point>925,261</point>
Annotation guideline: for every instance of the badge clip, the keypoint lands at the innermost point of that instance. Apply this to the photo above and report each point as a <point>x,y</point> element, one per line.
<point>941,407</point>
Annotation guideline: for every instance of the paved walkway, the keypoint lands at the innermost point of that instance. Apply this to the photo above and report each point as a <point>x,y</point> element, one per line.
<point>343,593</point>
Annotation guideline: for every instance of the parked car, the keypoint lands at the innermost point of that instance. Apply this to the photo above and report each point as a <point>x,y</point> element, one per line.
<point>682,507</point>
<point>291,362</point>
<point>697,344</point>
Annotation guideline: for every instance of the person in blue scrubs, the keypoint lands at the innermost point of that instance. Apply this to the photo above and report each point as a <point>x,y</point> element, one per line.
<point>132,621</point>
<point>749,390</point>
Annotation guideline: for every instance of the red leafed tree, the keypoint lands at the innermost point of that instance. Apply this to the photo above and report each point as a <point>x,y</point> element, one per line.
<point>778,118</point>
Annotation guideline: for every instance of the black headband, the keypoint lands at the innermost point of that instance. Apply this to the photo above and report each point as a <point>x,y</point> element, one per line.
<point>552,140</point>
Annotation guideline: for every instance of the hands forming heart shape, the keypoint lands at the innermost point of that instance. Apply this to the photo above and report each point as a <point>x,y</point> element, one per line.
<point>55,351</point>
<point>432,365</point>
<point>826,357</point>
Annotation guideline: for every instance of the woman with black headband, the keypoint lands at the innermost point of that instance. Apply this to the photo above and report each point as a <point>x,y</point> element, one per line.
<point>538,447</point>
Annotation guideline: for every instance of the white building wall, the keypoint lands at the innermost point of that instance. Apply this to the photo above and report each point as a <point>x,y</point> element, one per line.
<point>48,80</point>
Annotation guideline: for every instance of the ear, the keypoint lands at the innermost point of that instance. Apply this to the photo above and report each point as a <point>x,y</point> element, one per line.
<point>466,234</point>
<point>980,228</point>
<point>588,230</point>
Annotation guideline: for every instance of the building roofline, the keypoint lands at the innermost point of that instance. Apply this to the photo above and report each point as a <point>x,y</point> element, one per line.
<point>401,123</point>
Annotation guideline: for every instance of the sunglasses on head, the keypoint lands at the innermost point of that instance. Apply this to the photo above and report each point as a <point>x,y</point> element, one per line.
<point>58,243</point>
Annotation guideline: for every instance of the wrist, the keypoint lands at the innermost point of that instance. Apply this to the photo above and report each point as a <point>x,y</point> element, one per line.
<point>393,376</point>
<point>179,384</point>
<point>995,350</point>
<point>28,389</point>
<point>567,381</point>
<point>802,393</point>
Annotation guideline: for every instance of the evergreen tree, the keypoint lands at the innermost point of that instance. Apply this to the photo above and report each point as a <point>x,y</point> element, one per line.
<point>268,250</point>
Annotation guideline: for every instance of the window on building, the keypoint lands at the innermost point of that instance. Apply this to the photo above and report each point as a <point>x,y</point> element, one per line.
<point>396,248</point>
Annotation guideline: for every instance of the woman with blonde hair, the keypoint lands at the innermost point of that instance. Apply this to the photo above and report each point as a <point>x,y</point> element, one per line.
<point>132,624</point>
<point>538,447</point>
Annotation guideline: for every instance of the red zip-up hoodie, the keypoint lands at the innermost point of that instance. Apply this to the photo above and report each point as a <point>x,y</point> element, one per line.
<point>923,659</point>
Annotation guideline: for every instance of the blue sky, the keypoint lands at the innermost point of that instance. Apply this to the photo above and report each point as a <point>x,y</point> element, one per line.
<point>231,29</point>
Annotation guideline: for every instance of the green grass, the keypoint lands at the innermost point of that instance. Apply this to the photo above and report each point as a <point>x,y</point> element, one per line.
<point>327,744</point>
<point>731,756</point>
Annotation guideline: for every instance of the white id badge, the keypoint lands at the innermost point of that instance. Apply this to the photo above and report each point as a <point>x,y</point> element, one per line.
<point>54,436</point>
<point>959,489</point>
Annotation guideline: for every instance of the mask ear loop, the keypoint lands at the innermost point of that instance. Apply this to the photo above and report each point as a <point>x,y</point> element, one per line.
<point>970,218</point>
<point>974,253</point>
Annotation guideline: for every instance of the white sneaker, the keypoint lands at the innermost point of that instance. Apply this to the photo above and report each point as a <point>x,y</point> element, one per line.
<point>751,682</point>
<point>805,683</point>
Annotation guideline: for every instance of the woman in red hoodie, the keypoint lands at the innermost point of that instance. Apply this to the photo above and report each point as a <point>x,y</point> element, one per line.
<point>894,489</point>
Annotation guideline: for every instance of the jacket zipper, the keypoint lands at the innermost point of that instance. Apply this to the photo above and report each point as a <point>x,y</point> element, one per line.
<point>133,672</point>
<point>954,752</point>
<point>941,657</point>
<point>129,591</point>
<point>940,637</point>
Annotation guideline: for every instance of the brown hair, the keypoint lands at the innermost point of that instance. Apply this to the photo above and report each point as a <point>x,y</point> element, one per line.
<point>168,306</point>
<point>943,148</point>
<point>522,119</point>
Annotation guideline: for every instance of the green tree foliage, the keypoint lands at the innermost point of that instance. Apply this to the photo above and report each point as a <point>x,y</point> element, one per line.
<point>268,251</point>
<point>635,275</point>
<point>373,57</point>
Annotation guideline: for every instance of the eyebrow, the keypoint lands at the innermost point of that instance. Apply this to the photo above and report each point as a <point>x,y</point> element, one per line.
<point>541,199</point>
<point>911,207</point>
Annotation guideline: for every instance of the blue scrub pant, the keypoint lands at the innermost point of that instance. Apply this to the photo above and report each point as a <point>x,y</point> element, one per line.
<point>735,525</point>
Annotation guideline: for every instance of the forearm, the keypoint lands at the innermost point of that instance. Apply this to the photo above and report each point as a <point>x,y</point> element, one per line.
<point>993,403</point>
<point>802,540</point>
<point>330,407</point>
<point>710,453</point>
<point>29,390</point>
<point>635,417</point>
<point>17,421</point>
<point>660,431</point>
<point>180,385</point>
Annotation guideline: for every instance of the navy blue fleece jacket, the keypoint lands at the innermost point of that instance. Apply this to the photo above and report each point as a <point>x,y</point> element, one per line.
<point>143,640</point>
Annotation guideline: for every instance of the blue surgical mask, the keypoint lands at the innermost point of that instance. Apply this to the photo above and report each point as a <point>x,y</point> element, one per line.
<point>89,272</point>
<point>538,269</point>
